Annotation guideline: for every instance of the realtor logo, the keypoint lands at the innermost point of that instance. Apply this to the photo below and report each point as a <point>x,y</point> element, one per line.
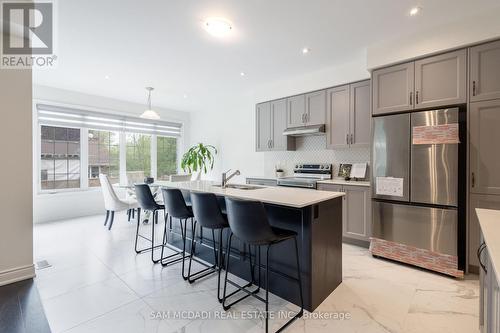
<point>28,34</point>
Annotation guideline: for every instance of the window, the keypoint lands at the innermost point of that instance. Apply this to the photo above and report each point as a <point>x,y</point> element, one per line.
<point>166,157</point>
<point>138,157</point>
<point>104,156</point>
<point>76,145</point>
<point>60,157</point>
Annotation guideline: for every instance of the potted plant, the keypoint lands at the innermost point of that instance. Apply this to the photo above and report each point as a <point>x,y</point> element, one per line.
<point>199,158</point>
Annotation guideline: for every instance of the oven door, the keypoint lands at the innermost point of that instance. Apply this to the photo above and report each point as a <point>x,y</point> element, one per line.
<point>291,182</point>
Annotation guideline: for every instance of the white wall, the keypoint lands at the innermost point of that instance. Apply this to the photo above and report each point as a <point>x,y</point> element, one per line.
<point>16,223</point>
<point>471,30</point>
<point>230,126</point>
<point>64,205</point>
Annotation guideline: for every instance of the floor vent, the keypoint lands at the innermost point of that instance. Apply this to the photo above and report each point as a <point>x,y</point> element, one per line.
<point>42,264</point>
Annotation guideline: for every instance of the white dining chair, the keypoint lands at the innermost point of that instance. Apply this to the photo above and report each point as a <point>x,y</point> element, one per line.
<point>112,203</point>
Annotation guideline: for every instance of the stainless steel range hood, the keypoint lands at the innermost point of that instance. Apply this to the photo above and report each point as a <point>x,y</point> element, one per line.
<point>305,130</point>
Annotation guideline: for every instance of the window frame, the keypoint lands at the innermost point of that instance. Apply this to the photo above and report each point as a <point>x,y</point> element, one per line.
<point>84,157</point>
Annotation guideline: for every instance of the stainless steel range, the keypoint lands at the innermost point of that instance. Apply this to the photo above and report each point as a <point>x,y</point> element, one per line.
<point>307,175</point>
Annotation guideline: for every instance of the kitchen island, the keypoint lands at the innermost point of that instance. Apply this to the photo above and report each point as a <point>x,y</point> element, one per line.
<point>315,215</point>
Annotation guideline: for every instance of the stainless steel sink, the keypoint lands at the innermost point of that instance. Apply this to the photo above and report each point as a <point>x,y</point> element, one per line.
<point>240,186</point>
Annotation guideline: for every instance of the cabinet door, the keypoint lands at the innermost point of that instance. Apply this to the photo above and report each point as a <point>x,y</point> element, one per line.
<point>295,111</point>
<point>485,72</point>
<point>484,138</point>
<point>441,80</point>
<point>330,187</point>
<point>278,140</point>
<point>337,120</point>
<point>478,201</point>
<point>357,220</point>
<point>316,107</point>
<point>263,126</point>
<point>393,88</point>
<point>360,115</point>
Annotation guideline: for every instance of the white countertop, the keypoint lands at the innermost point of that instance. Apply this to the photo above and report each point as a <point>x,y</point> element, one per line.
<point>345,182</point>
<point>284,196</point>
<point>489,221</point>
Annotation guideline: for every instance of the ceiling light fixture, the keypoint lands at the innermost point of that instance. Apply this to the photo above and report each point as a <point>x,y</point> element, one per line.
<point>242,74</point>
<point>415,11</point>
<point>217,26</point>
<point>107,77</point>
<point>185,96</point>
<point>149,113</point>
<point>305,50</point>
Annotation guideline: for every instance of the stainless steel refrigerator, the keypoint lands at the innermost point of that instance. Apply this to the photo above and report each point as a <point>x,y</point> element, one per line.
<point>415,180</point>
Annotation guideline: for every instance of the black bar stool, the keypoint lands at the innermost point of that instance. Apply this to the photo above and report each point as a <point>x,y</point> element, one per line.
<point>248,221</point>
<point>175,207</point>
<point>208,214</point>
<point>147,203</point>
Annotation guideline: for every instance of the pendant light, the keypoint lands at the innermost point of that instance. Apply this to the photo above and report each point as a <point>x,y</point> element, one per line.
<point>150,113</point>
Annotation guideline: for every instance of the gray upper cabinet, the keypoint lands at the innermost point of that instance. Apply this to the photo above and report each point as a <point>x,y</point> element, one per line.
<point>337,120</point>
<point>315,108</point>
<point>360,114</point>
<point>270,124</point>
<point>393,88</point>
<point>278,114</point>
<point>357,218</point>
<point>485,72</point>
<point>441,80</point>
<point>263,126</point>
<point>348,118</point>
<point>484,138</point>
<point>296,111</point>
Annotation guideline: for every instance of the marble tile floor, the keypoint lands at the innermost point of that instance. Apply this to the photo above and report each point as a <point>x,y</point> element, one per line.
<point>98,284</point>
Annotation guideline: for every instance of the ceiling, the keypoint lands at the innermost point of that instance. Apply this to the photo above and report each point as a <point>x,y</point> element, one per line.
<point>162,44</point>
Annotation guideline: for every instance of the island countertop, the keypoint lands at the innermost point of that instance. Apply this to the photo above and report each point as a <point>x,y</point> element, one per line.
<point>284,196</point>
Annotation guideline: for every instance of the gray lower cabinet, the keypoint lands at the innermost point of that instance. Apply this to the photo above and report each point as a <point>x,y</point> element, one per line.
<point>484,125</point>
<point>393,88</point>
<point>356,218</point>
<point>296,111</point>
<point>270,124</point>
<point>348,121</point>
<point>478,201</point>
<point>489,295</point>
<point>315,108</point>
<point>441,80</point>
<point>485,72</point>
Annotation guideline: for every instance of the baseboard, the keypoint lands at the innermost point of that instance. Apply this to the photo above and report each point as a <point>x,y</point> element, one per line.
<point>473,269</point>
<point>17,274</point>
<point>358,242</point>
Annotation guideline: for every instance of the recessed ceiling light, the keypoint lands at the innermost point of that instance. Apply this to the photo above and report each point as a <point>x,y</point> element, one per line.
<point>218,26</point>
<point>415,11</point>
<point>242,74</point>
<point>185,96</point>
<point>305,50</point>
<point>107,77</point>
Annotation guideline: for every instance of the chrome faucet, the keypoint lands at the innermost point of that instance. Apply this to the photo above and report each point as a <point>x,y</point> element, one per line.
<point>225,177</point>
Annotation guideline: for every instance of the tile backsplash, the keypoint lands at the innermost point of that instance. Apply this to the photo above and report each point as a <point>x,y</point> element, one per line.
<point>312,149</point>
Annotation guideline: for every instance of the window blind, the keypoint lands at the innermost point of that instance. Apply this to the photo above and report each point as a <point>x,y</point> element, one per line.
<point>71,117</point>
